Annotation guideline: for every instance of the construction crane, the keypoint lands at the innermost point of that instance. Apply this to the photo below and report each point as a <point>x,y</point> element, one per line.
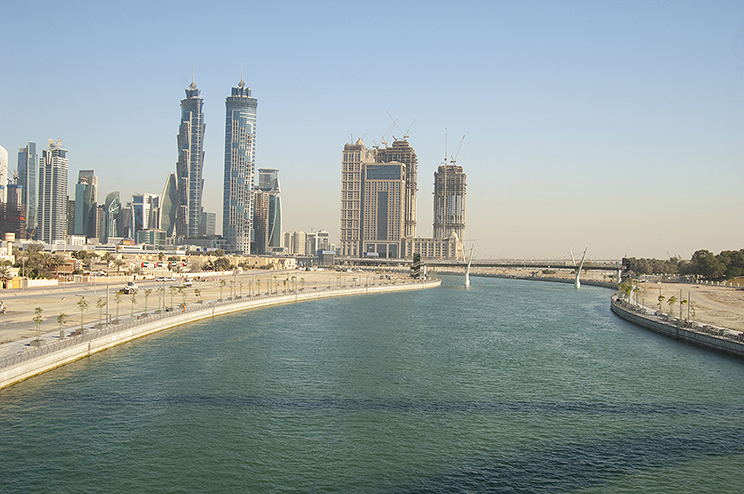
<point>453,160</point>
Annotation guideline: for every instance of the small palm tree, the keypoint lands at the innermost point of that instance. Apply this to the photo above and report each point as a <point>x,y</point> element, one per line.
<point>38,319</point>
<point>672,300</point>
<point>182,291</point>
<point>302,284</point>
<point>117,297</point>
<point>100,304</point>
<point>258,286</point>
<point>240,285</point>
<point>661,299</point>
<point>222,285</point>
<point>682,303</point>
<point>159,290</point>
<point>61,319</point>
<point>134,301</point>
<point>232,288</point>
<point>197,294</point>
<point>83,306</point>
<point>172,291</point>
<point>147,295</point>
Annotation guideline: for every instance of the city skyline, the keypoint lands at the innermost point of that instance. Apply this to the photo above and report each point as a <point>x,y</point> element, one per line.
<point>608,126</point>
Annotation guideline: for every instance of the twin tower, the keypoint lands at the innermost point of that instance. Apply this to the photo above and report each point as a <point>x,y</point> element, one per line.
<point>187,186</point>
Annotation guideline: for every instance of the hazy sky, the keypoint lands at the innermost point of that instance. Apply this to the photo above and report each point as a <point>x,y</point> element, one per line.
<point>617,126</point>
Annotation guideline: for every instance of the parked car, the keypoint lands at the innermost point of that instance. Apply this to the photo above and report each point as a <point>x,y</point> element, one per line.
<point>129,289</point>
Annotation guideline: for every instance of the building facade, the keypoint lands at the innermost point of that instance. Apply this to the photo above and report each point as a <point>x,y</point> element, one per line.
<point>449,201</point>
<point>27,166</point>
<point>402,152</point>
<point>268,181</point>
<point>145,212</point>
<point>3,175</point>
<point>209,224</point>
<point>354,156</point>
<point>86,204</point>
<point>190,164</point>
<point>169,206</point>
<point>52,210</point>
<point>383,214</point>
<point>240,158</point>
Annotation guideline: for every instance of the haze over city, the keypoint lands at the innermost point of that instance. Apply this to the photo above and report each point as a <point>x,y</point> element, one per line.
<point>617,127</point>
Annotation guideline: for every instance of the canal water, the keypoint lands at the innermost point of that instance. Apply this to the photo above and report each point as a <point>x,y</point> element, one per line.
<point>508,386</point>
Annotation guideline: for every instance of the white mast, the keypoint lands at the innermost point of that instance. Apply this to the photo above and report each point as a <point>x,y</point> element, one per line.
<point>467,271</point>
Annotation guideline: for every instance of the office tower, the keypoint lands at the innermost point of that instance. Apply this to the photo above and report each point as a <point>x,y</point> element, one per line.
<point>449,201</point>
<point>27,162</point>
<point>240,158</point>
<point>3,175</point>
<point>190,163</point>
<point>145,212</point>
<point>268,181</point>
<point>383,220</point>
<point>169,205</point>
<point>125,225</point>
<point>354,156</point>
<point>208,224</point>
<point>52,211</point>
<point>287,242</point>
<point>402,152</point>
<point>86,204</point>
<point>112,216</point>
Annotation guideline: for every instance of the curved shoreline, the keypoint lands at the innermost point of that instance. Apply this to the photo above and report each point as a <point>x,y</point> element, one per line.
<point>705,335</point>
<point>21,366</point>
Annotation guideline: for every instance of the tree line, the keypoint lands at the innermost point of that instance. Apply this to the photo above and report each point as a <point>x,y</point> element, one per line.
<point>703,263</point>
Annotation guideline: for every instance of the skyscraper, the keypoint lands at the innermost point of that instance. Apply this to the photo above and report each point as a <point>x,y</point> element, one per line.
<point>169,206</point>
<point>240,158</point>
<point>268,181</point>
<point>354,156</point>
<point>402,152</point>
<point>27,161</point>
<point>449,201</point>
<point>112,216</point>
<point>190,163</point>
<point>52,212</point>
<point>146,212</point>
<point>3,175</point>
<point>383,219</point>
<point>86,204</point>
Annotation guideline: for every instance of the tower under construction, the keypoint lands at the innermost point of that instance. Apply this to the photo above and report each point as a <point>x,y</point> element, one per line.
<point>449,201</point>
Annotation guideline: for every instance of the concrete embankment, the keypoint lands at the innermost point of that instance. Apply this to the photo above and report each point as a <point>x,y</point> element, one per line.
<point>603,284</point>
<point>36,360</point>
<point>712,337</point>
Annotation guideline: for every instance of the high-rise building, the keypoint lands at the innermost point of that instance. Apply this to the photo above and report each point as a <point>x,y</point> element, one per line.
<point>145,212</point>
<point>240,158</point>
<point>402,152</point>
<point>27,162</point>
<point>112,216</point>
<point>298,243</point>
<point>449,201</point>
<point>354,156</point>
<point>260,222</point>
<point>86,204</point>
<point>190,163</point>
<point>208,224</point>
<point>383,219</point>
<point>14,219</point>
<point>52,211</point>
<point>3,175</point>
<point>268,181</point>
<point>169,206</point>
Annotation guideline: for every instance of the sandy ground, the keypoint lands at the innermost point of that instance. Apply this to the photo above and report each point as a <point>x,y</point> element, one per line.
<point>17,323</point>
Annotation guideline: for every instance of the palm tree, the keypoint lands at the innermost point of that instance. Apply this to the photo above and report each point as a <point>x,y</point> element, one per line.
<point>61,319</point>
<point>118,263</point>
<point>258,286</point>
<point>147,295</point>
<point>160,291</point>
<point>100,304</point>
<point>37,319</point>
<point>302,284</point>
<point>681,305</point>
<point>661,299</point>
<point>240,284</point>
<point>182,291</point>
<point>672,300</point>
<point>197,294</point>
<point>83,306</point>
<point>4,275</point>
<point>232,289</point>
<point>108,258</point>
<point>134,301</point>
<point>222,285</point>
<point>117,297</point>
<point>172,291</point>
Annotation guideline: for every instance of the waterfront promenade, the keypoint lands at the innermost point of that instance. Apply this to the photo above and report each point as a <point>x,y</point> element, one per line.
<point>24,357</point>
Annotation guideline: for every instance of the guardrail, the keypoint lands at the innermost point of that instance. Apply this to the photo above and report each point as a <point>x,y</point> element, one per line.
<point>93,334</point>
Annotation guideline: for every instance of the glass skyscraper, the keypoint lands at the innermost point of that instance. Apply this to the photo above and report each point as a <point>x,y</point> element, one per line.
<point>52,212</point>
<point>27,160</point>
<point>190,164</point>
<point>240,158</point>
<point>268,181</point>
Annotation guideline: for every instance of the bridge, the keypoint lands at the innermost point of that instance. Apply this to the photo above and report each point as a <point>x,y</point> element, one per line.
<point>600,265</point>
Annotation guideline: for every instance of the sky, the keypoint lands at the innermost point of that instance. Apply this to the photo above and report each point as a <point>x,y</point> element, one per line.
<point>612,126</point>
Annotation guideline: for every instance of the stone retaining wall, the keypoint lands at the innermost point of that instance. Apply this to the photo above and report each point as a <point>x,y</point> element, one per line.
<point>48,357</point>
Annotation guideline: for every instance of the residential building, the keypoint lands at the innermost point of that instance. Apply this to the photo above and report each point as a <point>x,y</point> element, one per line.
<point>260,222</point>
<point>240,158</point>
<point>190,163</point>
<point>449,201</point>
<point>52,211</point>
<point>316,242</point>
<point>354,156</point>
<point>298,243</point>
<point>145,212</point>
<point>13,212</point>
<point>27,163</point>
<point>434,248</point>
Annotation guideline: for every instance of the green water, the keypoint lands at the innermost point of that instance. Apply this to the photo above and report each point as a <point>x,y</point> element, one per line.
<point>509,386</point>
